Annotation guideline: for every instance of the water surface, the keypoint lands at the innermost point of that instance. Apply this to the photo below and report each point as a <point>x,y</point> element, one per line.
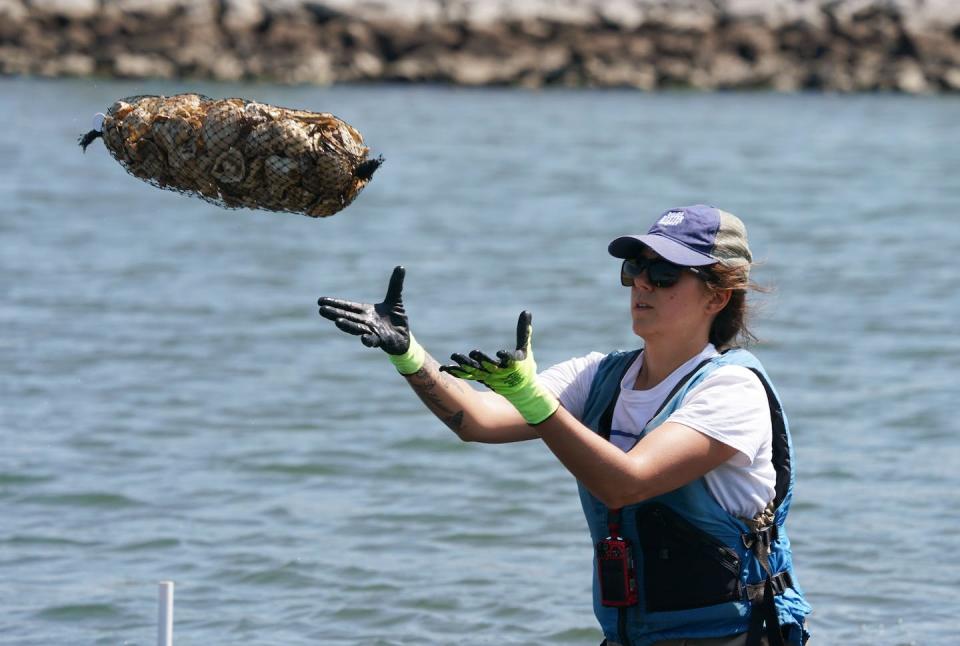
<point>171,406</point>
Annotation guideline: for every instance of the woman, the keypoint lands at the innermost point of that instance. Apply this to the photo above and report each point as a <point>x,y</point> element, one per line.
<point>681,449</point>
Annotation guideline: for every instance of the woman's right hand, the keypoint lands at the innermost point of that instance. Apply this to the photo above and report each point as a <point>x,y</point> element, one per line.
<point>383,325</point>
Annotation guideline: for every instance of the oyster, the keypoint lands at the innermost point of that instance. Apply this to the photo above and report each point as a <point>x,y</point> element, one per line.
<point>221,127</point>
<point>230,167</point>
<point>136,124</point>
<point>176,136</point>
<point>149,161</point>
<point>264,139</point>
<point>281,173</point>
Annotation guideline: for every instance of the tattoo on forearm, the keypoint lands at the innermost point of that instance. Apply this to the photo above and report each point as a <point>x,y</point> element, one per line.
<point>425,383</point>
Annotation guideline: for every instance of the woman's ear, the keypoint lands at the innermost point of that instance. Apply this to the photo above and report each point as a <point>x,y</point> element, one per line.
<point>717,300</point>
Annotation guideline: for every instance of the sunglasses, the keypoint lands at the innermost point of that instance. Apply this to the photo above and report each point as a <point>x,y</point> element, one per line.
<point>661,273</point>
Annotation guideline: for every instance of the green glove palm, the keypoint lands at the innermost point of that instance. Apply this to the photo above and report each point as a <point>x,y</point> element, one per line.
<point>512,375</point>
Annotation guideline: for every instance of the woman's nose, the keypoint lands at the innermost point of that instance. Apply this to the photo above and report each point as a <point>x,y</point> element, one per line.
<point>642,282</point>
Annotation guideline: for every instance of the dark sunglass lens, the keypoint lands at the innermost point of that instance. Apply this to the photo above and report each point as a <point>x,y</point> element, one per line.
<point>663,273</point>
<point>631,269</point>
<point>660,272</point>
<point>627,273</point>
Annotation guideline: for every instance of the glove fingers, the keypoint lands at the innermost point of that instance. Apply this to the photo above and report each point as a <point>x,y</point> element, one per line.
<point>347,306</point>
<point>351,327</point>
<point>359,319</point>
<point>485,362</point>
<point>333,313</point>
<point>464,370</point>
<point>524,330</point>
<point>330,313</point>
<point>465,361</point>
<point>395,287</point>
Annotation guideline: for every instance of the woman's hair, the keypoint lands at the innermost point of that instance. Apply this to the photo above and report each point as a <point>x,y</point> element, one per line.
<point>730,328</point>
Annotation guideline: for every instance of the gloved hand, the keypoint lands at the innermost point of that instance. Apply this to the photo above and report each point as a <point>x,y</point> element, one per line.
<point>383,325</point>
<point>512,374</point>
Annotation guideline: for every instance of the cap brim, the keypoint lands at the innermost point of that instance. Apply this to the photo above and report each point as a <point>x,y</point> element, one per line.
<point>631,246</point>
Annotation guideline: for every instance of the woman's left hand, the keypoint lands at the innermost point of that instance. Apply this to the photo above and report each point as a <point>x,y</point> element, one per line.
<point>513,374</point>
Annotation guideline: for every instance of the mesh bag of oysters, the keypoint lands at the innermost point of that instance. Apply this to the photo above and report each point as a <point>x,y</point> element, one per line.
<point>238,153</point>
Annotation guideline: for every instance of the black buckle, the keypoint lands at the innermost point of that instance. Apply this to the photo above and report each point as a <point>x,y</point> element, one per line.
<point>778,583</point>
<point>765,536</point>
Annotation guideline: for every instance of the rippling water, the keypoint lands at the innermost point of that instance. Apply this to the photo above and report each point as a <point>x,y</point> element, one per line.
<point>171,406</point>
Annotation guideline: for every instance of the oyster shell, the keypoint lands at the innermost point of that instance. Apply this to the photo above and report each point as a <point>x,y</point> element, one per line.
<point>321,172</point>
<point>264,139</point>
<point>119,109</point>
<point>175,136</point>
<point>149,161</point>
<point>221,127</point>
<point>281,173</point>
<point>230,167</point>
<point>136,124</point>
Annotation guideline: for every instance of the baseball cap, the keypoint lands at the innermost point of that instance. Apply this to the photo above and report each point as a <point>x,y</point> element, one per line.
<point>692,236</point>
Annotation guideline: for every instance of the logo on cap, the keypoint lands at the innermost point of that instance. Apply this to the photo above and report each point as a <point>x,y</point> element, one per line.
<point>671,219</point>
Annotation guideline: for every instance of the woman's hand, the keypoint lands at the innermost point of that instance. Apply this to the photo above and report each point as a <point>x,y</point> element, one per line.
<point>513,374</point>
<point>383,325</point>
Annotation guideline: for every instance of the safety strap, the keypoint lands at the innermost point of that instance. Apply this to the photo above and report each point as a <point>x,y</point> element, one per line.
<point>778,584</point>
<point>763,612</point>
<point>606,419</point>
<point>613,522</point>
<point>680,384</point>
<point>759,542</point>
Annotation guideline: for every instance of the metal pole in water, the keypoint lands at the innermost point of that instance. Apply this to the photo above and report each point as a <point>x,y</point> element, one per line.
<point>165,627</point>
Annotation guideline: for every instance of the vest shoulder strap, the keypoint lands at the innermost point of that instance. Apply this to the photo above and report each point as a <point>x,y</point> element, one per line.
<point>680,384</point>
<point>780,442</point>
<point>606,419</point>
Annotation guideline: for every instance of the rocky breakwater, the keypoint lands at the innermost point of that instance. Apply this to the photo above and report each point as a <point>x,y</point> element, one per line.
<point>842,45</point>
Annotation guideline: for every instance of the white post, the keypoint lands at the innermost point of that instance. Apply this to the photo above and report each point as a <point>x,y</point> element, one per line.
<point>165,628</point>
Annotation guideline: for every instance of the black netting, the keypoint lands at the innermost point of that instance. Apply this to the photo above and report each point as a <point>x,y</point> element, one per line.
<point>237,153</point>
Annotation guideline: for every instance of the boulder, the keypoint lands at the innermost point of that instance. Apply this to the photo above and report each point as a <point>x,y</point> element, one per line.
<point>844,45</point>
<point>143,66</point>
<point>68,9</point>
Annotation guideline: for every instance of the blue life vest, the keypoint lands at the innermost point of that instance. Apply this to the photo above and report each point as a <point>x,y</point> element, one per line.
<point>700,570</point>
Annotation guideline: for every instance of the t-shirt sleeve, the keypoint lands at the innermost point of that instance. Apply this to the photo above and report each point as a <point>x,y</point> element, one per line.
<point>729,405</point>
<point>570,381</point>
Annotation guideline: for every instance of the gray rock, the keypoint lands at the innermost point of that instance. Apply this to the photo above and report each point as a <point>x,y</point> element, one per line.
<point>241,15</point>
<point>12,12</point>
<point>15,61</point>
<point>72,9</point>
<point>844,45</point>
<point>69,65</point>
<point>143,66</point>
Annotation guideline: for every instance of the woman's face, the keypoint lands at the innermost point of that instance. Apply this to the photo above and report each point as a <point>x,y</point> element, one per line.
<point>684,310</point>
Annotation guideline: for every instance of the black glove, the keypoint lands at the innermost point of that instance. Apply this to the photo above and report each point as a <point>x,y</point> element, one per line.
<point>383,325</point>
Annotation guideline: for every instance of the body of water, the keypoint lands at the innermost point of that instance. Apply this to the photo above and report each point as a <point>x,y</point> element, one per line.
<point>172,407</point>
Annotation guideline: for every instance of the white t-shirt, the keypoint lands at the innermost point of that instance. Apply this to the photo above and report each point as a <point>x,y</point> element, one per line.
<point>729,405</point>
